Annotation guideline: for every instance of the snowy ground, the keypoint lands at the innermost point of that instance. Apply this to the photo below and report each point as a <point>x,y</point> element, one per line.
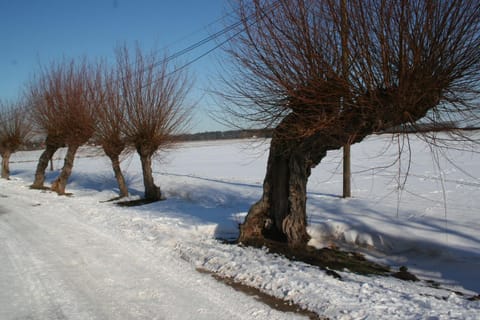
<point>81,258</point>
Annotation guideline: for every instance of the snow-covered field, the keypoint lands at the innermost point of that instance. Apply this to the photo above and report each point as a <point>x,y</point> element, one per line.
<point>431,225</point>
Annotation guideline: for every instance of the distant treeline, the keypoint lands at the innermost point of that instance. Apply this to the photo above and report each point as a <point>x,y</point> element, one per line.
<point>267,133</point>
<point>426,127</point>
<point>223,135</point>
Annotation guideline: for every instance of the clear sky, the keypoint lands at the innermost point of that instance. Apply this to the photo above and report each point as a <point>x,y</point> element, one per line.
<point>35,32</point>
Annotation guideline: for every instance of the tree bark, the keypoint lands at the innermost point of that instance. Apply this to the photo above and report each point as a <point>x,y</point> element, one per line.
<point>61,182</point>
<point>280,215</point>
<point>152,191</point>
<point>122,186</point>
<point>5,164</point>
<point>42,165</point>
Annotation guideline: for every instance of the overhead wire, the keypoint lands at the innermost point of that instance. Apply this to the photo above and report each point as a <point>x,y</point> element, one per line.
<point>206,40</point>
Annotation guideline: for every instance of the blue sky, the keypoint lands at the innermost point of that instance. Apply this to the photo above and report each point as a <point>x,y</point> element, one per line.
<point>34,32</point>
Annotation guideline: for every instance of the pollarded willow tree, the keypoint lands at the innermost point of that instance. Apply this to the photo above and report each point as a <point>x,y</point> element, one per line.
<point>46,117</point>
<point>15,130</point>
<point>63,107</point>
<point>325,73</point>
<point>155,107</point>
<point>77,103</point>
<point>110,120</point>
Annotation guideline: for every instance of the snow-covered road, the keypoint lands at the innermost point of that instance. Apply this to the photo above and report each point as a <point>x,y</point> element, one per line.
<point>54,265</point>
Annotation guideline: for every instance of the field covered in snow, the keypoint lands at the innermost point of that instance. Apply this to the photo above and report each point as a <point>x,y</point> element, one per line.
<point>430,224</point>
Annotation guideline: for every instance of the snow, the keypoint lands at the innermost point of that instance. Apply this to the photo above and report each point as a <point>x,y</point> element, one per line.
<point>69,258</point>
<point>84,258</point>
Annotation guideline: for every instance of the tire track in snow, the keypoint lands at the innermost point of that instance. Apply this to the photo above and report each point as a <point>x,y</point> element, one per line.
<point>60,267</point>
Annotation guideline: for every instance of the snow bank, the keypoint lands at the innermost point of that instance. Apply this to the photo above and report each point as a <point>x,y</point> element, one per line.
<point>210,186</point>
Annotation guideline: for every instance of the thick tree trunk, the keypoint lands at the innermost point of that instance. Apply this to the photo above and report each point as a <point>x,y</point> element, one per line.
<point>122,186</point>
<point>61,182</point>
<point>5,164</point>
<point>152,192</point>
<point>42,165</point>
<point>281,213</point>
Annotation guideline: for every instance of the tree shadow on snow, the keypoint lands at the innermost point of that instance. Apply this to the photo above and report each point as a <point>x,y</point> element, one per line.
<point>459,265</point>
<point>100,182</point>
<point>217,206</point>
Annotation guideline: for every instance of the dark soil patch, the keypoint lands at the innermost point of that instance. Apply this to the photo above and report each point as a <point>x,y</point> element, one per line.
<point>433,284</point>
<point>43,188</point>
<point>329,259</point>
<point>271,301</point>
<point>332,259</point>
<point>475,298</point>
<point>404,274</point>
<point>135,203</point>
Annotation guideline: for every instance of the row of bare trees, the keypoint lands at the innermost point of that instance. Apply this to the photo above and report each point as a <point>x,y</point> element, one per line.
<point>323,74</point>
<point>327,73</point>
<point>138,104</point>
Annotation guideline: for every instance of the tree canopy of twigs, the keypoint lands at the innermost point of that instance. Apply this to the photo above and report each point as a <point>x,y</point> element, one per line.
<point>15,130</point>
<point>62,100</point>
<point>156,109</point>
<point>110,120</point>
<point>295,70</point>
<point>46,118</point>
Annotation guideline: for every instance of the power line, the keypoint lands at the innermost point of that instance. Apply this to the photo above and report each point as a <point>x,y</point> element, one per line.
<point>216,35</point>
<point>202,42</point>
<point>210,38</point>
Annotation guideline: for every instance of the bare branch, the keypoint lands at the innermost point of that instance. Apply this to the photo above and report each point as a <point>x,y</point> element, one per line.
<point>155,107</point>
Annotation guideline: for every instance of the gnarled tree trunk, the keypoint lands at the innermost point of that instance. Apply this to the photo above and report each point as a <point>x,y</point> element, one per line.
<point>5,164</point>
<point>61,182</point>
<point>122,186</point>
<point>280,215</point>
<point>42,165</point>
<point>152,191</point>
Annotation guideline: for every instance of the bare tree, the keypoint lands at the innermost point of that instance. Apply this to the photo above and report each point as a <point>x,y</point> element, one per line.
<point>15,130</point>
<point>77,102</point>
<point>110,119</point>
<point>47,117</point>
<point>62,107</point>
<point>402,62</point>
<point>154,98</point>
